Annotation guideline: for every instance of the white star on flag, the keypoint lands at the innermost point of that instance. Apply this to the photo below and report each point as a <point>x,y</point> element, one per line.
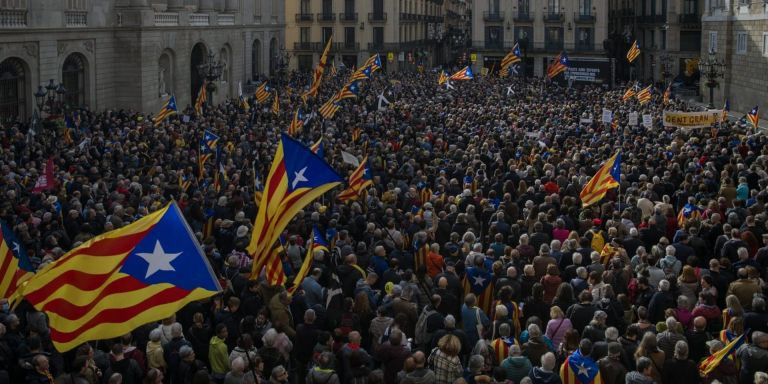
<point>158,260</point>
<point>479,280</point>
<point>583,370</point>
<point>299,177</point>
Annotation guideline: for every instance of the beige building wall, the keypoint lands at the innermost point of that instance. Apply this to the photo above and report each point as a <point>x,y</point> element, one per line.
<point>738,34</point>
<point>133,53</point>
<point>392,28</point>
<point>578,27</point>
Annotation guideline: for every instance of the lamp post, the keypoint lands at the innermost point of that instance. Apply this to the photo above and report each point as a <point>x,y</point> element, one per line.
<point>712,68</point>
<point>211,71</point>
<point>50,97</point>
<point>282,60</point>
<point>666,67</point>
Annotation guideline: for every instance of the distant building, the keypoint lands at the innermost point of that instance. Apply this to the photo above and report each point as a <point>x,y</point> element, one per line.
<point>132,53</point>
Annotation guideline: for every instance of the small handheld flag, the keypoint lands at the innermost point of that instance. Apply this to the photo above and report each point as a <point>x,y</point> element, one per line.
<point>753,117</point>
<point>169,109</point>
<point>202,97</point>
<point>607,177</point>
<point>558,66</point>
<point>463,74</point>
<point>633,52</point>
<point>644,96</point>
<point>276,105</point>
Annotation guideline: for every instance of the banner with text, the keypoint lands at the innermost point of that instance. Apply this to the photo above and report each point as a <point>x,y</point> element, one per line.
<point>692,119</point>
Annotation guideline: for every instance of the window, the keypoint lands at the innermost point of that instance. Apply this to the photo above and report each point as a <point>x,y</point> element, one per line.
<point>741,42</point>
<point>554,6</point>
<point>653,8</point>
<point>584,39</point>
<point>663,39</point>
<point>585,7</point>
<point>553,39</point>
<point>690,7</point>
<point>304,34</point>
<point>349,37</point>
<point>494,37</point>
<point>378,36</point>
<point>327,7</point>
<point>765,43</point>
<point>378,7</point>
<point>713,41</point>
<point>349,7</point>
<point>327,32</point>
<point>493,6</point>
<point>304,6</point>
<point>744,2</point>
<point>523,6</point>
<point>257,8</point>
<point>645,7</point>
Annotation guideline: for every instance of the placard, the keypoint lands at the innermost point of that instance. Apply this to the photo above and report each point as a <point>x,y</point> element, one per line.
<point>692,119</point>
<point>633,119</point>
<point>647,121</point>
<point>390,56</point>
<point>607,116</point>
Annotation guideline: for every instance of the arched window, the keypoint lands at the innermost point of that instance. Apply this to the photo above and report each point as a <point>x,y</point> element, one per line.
<point>255,59</point>
<point>73,79</point>
<point>12,89</point>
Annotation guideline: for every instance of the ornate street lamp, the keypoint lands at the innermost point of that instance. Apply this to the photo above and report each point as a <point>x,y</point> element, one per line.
<point>211,71</point>
<point>712,68</point>
<point>50,97</point>
<point>666,67</point>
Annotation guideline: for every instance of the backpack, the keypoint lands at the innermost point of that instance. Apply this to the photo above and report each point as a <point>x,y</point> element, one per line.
<point>422,337</point>
<point>598,240</point>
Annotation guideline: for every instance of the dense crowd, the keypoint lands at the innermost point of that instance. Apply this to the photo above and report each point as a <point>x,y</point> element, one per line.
<point>622,284</point>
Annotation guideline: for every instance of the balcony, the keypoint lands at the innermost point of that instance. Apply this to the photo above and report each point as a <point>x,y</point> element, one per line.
<point>553,17</point>
<point>199,19</point>
<point>304,17</point>
<point>377,17</point>
<point>652,19</point>
<point>346,47</point>
<point>584,18</point>
<point>493,17</point>
<point>76,19</point>
<point>383,47</point>
<point>689,18</point>
<point>492,45</point>
<point>348,17</point>
<point>225,19</point>
<point>408,17</point>
<point>582,47</point>
<point>13,18</point>
<point>553,46</point>
<point>166,19</point>
<point>523,16</point>
<point>326,17</point>
<point>307,46</point>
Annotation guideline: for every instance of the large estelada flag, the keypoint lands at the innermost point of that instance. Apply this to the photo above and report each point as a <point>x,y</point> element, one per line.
<point>15,266</point>
<point>578,369</point>
<point>296,178</point>
<point>115,282</point>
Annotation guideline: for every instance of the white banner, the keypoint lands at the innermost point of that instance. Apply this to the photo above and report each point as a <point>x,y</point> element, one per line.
<point>647,121</point>
<point>607,116</point>
<point>633,119</point>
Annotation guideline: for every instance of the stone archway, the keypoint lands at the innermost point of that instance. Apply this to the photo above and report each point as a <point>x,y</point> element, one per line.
<point>74,78</point>
<point>13,89</point>
<point>255,59</point>
<point>199,56</point>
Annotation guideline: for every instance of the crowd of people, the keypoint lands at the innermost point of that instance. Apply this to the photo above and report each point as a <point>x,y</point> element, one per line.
<point>519,279</point>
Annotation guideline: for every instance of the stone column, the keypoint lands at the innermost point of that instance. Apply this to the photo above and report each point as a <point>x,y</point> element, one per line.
<point>175,5</point>
<point>205,5</point>
<point>231,6</point>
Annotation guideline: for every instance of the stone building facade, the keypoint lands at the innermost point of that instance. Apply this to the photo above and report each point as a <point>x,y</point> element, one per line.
<point>111,54</point>
<point>406,33</point>
<point>737,32</point>
<point>542,28</point>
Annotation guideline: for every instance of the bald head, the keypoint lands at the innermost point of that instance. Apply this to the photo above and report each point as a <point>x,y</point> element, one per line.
<point>442,283</point>
<point>700,323</point>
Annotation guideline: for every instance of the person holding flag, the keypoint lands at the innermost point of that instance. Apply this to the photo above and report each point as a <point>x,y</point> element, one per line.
<point>579,367</point>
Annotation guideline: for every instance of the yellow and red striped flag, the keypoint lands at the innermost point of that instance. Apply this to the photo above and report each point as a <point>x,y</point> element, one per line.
<point>711,362</point>
<point>317,75</point>
<point>202,97</point>
<point>644,96</point>
<point>607,177</point>
<point>117,281</point>
<point>633,52</point>
<point>15,266</point>
<point>276,105</point>
<point>631,92</point>
<point>753,116</point>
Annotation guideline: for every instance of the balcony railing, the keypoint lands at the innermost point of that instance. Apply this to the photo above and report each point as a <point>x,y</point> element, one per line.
<point>307,46</point>
<point>13,18</point>
<point>583,17</point>
<point>166,19</point>
<point>348,17</point>
<point>76,19</point>
<point>304,17</point>
<point>226,19</point>
<point>346,47</point>
<point>689,18</point>
<point>581,47</point>
<point>383,47</point>
<point>377,17</point>
<point>523,16</point>
<point>493,16</point>
<point>553,17</point>
<point>199,19</point>
<point>408,17</point>
<point>326,17</point>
